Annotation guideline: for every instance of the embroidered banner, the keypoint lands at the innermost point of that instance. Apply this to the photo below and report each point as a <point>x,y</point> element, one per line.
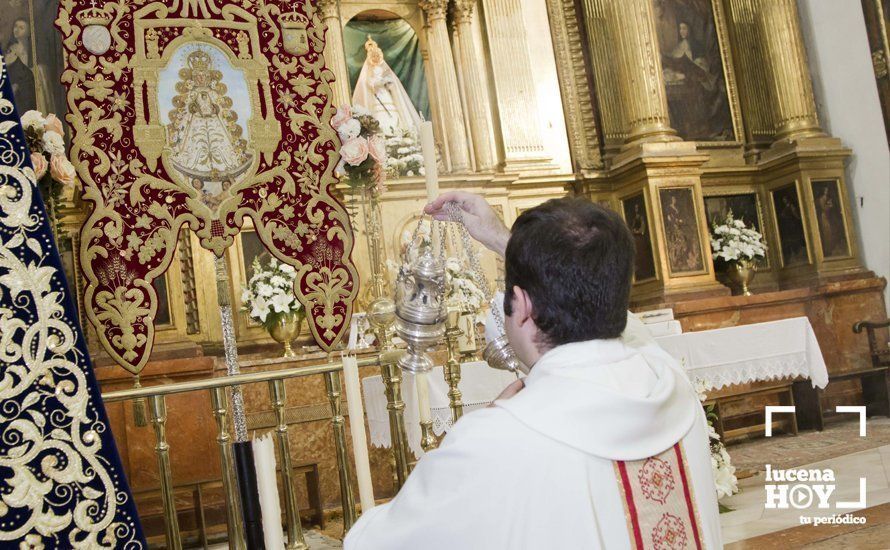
<point>659,503</point>
<point>202,112</point>
<point>61,480</point>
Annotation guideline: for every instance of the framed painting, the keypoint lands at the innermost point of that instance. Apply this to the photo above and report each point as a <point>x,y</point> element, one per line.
<point>744,206</point>
<point>830,219</point>
<point>682,237</point>
<point>635,215</point>
<point>33,53</point>
<point>792,236</point>
<point>695,69</point>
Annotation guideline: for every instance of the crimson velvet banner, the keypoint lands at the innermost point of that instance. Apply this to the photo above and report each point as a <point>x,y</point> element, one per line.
<point>202,113</point>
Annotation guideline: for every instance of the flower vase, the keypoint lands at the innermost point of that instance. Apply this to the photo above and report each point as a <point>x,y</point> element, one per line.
<point>740,273</point>
<point>286,329</point>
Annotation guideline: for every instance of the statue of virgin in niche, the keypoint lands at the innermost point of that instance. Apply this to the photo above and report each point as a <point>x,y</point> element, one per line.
<point>205,139</point>
<point>380,91</point>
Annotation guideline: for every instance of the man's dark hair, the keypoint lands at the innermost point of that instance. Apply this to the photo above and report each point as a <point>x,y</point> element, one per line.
<point>575,261</point>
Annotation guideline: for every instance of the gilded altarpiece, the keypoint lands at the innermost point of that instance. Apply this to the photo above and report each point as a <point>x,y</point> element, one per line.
<point>202,113</point>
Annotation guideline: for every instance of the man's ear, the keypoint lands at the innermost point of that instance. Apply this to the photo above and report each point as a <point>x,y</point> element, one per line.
<point>522,306</point>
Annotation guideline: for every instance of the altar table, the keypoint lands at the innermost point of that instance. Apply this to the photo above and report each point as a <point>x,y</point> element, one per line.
<point>719,357</point>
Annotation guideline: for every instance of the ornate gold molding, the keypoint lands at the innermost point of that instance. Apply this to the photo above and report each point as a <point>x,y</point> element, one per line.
<point>577,95</point>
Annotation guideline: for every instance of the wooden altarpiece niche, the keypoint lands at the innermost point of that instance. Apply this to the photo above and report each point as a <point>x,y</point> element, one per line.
<point>202,113</point>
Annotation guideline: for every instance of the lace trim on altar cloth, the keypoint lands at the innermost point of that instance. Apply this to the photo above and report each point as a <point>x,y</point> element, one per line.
<point>61,481</point>
<point>790,365</point>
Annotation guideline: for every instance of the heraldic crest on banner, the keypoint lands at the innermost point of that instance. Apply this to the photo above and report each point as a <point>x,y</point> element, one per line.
<point>202,112</point>
<point>61,481</point>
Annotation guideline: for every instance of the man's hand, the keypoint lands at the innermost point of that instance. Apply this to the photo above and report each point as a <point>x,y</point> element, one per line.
<point>479,217</point>
<point>510,391</point>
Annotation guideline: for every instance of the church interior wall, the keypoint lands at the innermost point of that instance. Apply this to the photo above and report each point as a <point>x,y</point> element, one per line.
<point>550,107</point>
<point>847,98</point>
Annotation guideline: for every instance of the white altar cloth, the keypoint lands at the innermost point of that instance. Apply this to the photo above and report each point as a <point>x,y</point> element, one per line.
<point>480,385</point>
<point>719,357</point>
<point>746,353</point>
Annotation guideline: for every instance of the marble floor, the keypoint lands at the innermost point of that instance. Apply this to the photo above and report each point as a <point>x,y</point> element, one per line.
<point>749,518</point>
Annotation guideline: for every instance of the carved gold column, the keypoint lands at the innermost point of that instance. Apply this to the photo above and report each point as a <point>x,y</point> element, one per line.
<point>747,48</point>
<point>574,86</point>
<point>335,57</point>
<point>514,86</point>
<point>601,33</point>
<point>472,71</point>
<point>639,72</point>
<point>794,107</point>
<point>447,91</point>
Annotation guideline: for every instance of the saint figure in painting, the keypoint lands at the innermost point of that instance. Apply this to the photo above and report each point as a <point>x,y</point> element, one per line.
<point>18,55</point>
<point>204,136</point>
<point>380,91</point>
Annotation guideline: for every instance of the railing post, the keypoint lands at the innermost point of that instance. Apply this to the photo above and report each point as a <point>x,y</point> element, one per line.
<point>452,366</point>
<point>220,402</point>
<point>392,380</point>
<point>335,390</point>
<point>295,540</point>
<point>162,449</point>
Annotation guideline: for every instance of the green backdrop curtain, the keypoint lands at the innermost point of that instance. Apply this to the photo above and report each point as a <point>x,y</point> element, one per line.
<point>401,49</point>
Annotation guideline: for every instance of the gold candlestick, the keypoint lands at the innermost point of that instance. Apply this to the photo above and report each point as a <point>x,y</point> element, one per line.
<point>452,365</point>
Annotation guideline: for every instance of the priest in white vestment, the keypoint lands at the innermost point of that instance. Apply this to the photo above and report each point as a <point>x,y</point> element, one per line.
<point>603,445</point>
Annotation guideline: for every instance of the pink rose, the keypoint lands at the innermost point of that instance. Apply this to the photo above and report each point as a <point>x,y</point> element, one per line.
<point>40,164</point>
<point>62,170</point>
<point>343,114</point>
<point>355,151</point>
<point>53,124</point>
<point>377,148</point>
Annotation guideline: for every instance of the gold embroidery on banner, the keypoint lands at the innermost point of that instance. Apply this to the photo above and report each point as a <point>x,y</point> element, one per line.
<point>304,103</point>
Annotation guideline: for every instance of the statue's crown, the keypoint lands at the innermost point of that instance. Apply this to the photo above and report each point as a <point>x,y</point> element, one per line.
<point>94,15</point>
<point>293,20</point>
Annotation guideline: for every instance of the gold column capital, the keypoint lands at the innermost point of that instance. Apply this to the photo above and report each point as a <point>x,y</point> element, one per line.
<point>435,9</point>
<point>463,11</point>
<point>329,9</point>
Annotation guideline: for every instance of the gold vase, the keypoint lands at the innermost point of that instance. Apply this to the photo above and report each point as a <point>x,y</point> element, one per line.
<point>286,330</point>
<point>740,274</point>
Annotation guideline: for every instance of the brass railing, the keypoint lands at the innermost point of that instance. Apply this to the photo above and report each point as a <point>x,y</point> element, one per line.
<point>156,396</point>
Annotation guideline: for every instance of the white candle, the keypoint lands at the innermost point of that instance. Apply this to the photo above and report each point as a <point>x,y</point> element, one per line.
<point>357,430</point>
<point>267,483</point>
<point>422,384</point>
<point>428,144</point>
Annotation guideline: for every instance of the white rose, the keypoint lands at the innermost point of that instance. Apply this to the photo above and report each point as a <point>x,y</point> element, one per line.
<point>265,290</point>
<point>53,143</point>
<point>349,129</point>
<point>33,120</point>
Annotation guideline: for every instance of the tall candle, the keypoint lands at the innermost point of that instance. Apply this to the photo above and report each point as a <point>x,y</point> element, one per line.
<point>428,145</point>
<point>357,430</point>
<point>267,483</point>
<point>422,384</point>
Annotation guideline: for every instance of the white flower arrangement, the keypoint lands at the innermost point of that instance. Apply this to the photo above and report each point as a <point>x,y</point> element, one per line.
<point>462,290</point>
<point>733,241</point>
<point>721,464</point>
<point>404,156</point>
<point>269,294</point>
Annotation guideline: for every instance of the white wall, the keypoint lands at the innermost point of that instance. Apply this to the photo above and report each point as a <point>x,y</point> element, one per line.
<point>847,99</point>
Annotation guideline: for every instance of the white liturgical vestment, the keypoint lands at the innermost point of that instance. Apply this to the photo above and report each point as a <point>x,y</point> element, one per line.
<point>606,447</point>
